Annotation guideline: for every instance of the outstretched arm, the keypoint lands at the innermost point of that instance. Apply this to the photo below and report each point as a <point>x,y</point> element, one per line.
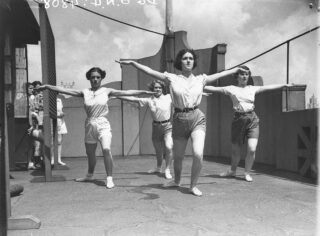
<point>116,93</point>
<point>129,99</point>
<point>273,87</point>
<point>216,76</point>
<point>72,92</point>
<point>146,69</point>
<point>212,89</point>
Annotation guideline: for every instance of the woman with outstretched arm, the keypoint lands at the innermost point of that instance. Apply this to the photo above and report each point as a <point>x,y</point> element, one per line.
<point>245,124</point>
<point>97,126</point>
<point>186,91</point>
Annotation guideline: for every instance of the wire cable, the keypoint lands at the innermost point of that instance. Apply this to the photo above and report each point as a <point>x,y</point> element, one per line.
<point>110,18</point>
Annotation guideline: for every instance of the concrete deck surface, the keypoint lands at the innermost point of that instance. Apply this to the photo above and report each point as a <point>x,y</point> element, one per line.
<point>273,204</point>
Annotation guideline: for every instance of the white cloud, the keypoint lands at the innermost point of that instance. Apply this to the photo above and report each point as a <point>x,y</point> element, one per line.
<point>247,26</point>
<point>209,22</point>
<point>155,20</point>
<point>80,37</point>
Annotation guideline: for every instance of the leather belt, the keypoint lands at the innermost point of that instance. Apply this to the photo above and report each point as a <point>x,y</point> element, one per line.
<point>187,109</point>
<point>161,122</point>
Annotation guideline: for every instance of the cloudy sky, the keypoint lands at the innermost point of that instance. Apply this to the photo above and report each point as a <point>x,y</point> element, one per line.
<point>248,27</point>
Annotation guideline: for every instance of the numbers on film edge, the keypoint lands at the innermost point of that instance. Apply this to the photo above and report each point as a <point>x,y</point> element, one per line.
<point>95,3</point>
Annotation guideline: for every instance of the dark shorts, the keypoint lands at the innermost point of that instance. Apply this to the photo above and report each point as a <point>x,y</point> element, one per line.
<point>160,130</point>
<point>244,125</point>
<point>184,123</point>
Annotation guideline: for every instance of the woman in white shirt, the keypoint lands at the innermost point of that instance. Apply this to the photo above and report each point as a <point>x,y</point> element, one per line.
<point>186,92</point>
<point>97,126</point>
<point>245,124</point>
<point>160,105</point>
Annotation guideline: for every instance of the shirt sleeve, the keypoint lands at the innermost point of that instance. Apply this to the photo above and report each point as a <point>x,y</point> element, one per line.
<point>84,91</point>
<point>143,101</point>
<point>204,79</point>
<point>170,76</point>
<point>256,89</point>
<point>226,90</point>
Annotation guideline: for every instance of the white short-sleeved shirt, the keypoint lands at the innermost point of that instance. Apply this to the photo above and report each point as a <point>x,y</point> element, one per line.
<point>186,92</point>
<point>242,98</point>
<point>160,107</point>
<point>96,102</point>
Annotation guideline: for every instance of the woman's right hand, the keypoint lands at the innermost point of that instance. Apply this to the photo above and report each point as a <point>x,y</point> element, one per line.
<point>124,62</point>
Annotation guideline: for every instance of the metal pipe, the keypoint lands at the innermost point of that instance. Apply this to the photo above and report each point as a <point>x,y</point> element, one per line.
<point>169,29</point>
<point>288,60</point>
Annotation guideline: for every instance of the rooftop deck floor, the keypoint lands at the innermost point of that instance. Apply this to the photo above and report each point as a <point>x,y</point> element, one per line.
<point>273,204</point>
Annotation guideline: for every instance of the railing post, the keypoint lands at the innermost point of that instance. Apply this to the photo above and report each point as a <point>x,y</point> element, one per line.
<point>288,62</point>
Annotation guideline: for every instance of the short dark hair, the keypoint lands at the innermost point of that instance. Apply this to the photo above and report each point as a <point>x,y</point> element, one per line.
<point>36,82</point>
<point>28,84</point>
<point>95,69</point>
<point>177,61</point>
<point>162,84</point>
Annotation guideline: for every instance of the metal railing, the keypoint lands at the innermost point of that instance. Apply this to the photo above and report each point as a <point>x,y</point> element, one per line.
<point>287,42</point>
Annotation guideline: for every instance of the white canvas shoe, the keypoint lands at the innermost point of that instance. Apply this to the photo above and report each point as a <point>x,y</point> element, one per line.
<point>109,182</point>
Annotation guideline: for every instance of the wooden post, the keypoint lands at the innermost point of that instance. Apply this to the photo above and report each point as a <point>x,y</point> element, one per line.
<point>169,29</point>
<point>218,65</point>
<point>169,49</point>
<point>6,54</point>
<point>48,76</point>
<point>3,174</point>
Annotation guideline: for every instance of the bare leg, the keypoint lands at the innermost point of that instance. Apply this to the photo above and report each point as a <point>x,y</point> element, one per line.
<point>197,139</point>
<point>235,159</point>
<point>59,146</point>
<point>236,156</point>
<point>91,153</point>
<point>251,153</point>
<point>168,143</point>
<point>179,148</point>
<point>37,134</point>
<point>108,160</point>
<point>158,147</point>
